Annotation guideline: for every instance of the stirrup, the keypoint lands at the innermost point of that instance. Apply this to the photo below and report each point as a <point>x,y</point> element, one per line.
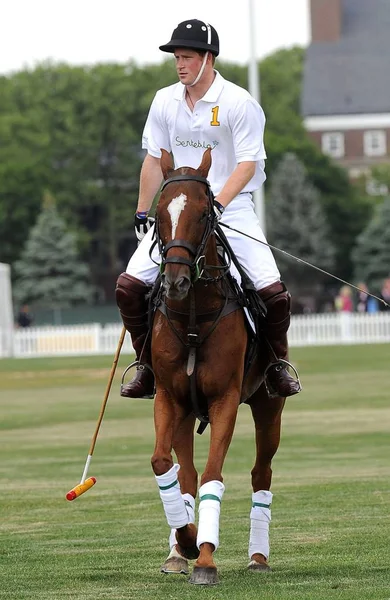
<point>140,367</point>
<point>283,364</point>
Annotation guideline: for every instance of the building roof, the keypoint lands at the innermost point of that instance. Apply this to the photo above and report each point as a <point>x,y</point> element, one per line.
<point>351,75</point>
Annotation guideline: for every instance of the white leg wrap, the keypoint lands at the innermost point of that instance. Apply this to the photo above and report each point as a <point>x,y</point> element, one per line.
<point>260,520</point>
<point>189,502</point>
<point>210,495</point>
<point>173,502</point>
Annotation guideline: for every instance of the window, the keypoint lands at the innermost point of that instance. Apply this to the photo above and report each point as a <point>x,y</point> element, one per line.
<point>333,144</point>
<point>375,143</point>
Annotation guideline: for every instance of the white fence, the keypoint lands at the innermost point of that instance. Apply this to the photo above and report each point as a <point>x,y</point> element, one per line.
<point>339,328</point>
<point>305,330</point>
<point>68,340</point>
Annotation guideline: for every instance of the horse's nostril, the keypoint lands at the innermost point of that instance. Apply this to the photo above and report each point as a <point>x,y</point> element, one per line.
<point>183,284</point>
<point>165,281</point>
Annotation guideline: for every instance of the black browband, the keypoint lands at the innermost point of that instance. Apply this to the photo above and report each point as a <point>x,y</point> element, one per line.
<point>186,178</point>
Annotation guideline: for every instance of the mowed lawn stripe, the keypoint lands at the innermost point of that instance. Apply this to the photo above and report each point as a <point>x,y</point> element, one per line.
<point>329,534</point>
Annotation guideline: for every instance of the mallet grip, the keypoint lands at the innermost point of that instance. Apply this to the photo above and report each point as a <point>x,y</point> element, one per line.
<point>81,488</point>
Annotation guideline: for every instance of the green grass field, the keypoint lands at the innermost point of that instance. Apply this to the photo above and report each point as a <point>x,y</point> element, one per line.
<point>330,528</point>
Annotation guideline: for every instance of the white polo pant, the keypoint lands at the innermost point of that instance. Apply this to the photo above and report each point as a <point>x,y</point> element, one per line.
<point>257,259</point>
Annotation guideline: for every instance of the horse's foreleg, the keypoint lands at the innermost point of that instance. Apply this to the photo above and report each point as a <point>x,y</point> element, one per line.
<point>183,445</point>
<point>267,417</point>
<point>222,413</point>
<point>179,510</point>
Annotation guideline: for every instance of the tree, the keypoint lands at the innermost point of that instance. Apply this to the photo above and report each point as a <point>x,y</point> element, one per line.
<point>296,223</point>
<point>346,209</point>
<point>381,175</point>
<point>49,273</point>
<point>371,257</point>
<point>77,130</point>
<point>23,174</point>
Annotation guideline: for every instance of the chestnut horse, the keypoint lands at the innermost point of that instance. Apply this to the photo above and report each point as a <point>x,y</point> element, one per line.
<point>199,344</point>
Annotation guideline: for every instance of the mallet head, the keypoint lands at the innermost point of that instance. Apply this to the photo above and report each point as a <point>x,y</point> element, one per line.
<point>81,488</point>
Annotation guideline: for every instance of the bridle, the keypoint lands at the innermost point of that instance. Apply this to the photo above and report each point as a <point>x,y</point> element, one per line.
<point>196,265</point>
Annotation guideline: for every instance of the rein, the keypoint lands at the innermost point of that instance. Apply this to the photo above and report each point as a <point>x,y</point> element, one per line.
<point>305,262</point>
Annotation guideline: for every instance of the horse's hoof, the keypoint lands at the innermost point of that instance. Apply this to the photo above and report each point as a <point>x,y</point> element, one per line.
<point>258,566</point>
<point>189,553</point>
<point>175,565</point>
<point>204,576</point>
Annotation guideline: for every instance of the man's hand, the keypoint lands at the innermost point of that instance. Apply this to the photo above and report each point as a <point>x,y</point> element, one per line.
<point>218,209</point>
<point>142,224</point>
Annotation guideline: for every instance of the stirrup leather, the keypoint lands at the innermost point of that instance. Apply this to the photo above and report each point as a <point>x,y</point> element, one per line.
<point>282,364</point>
<point>139,367</point>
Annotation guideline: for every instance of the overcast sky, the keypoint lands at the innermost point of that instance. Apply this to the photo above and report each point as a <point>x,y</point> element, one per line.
<point>90,31</point>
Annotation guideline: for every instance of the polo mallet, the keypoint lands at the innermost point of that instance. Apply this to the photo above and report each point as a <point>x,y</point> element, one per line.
<point>85,484</point>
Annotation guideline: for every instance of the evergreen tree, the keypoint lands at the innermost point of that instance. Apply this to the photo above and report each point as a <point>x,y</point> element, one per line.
<point>296,223</point>
<point>49,273</point>
<point>371,256</point>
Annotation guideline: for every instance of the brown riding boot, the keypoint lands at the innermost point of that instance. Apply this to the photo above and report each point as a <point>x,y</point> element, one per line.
<point>131,299</point>
<point>277,300</point>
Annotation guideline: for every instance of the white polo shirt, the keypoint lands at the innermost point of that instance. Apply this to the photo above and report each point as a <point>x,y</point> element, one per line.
<point>227,119</point>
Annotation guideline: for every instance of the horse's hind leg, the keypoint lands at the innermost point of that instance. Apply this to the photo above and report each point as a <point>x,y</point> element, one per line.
<point>267,415</point>
<point>168,418</point>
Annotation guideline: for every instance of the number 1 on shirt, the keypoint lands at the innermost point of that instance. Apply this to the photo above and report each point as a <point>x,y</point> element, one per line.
<point>214,121</point>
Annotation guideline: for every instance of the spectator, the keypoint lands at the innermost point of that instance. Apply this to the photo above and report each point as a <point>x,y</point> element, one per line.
<point>24,318</point>
<point>372,305</point>
<point>343,301</point>
<point>362,301</point>
<point>385,292</point>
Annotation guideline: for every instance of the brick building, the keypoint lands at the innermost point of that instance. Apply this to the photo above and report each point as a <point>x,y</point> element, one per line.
<point>346,87</point>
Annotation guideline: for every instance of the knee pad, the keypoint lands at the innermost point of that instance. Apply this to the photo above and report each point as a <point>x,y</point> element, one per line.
<point>130,293</point>
<point>278,303</point>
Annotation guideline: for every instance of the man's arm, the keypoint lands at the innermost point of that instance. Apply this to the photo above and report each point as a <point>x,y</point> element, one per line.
<point>150,181</point>
<point>241,175</point>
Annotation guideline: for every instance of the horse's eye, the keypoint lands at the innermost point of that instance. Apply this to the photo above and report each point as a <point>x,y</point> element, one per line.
<point>204,216</point>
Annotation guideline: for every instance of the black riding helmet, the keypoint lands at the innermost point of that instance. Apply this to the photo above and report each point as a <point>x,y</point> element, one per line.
<point>193,34</point>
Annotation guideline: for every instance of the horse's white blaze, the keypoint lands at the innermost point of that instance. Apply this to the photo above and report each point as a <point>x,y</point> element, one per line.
<point>175,208</point>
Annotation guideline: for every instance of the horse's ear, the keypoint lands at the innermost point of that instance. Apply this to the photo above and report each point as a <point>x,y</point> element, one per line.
<point>166,163</point>
<point>205,165</point>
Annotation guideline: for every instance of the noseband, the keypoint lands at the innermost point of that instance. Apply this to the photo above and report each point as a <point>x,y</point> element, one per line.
<point>196,252</point>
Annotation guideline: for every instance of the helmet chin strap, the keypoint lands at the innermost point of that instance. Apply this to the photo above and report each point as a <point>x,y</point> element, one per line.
<point>202,68</point>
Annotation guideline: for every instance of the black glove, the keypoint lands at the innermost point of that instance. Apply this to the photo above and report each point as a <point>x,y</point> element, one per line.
<point>218,209</point>
<point>142,224</point>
